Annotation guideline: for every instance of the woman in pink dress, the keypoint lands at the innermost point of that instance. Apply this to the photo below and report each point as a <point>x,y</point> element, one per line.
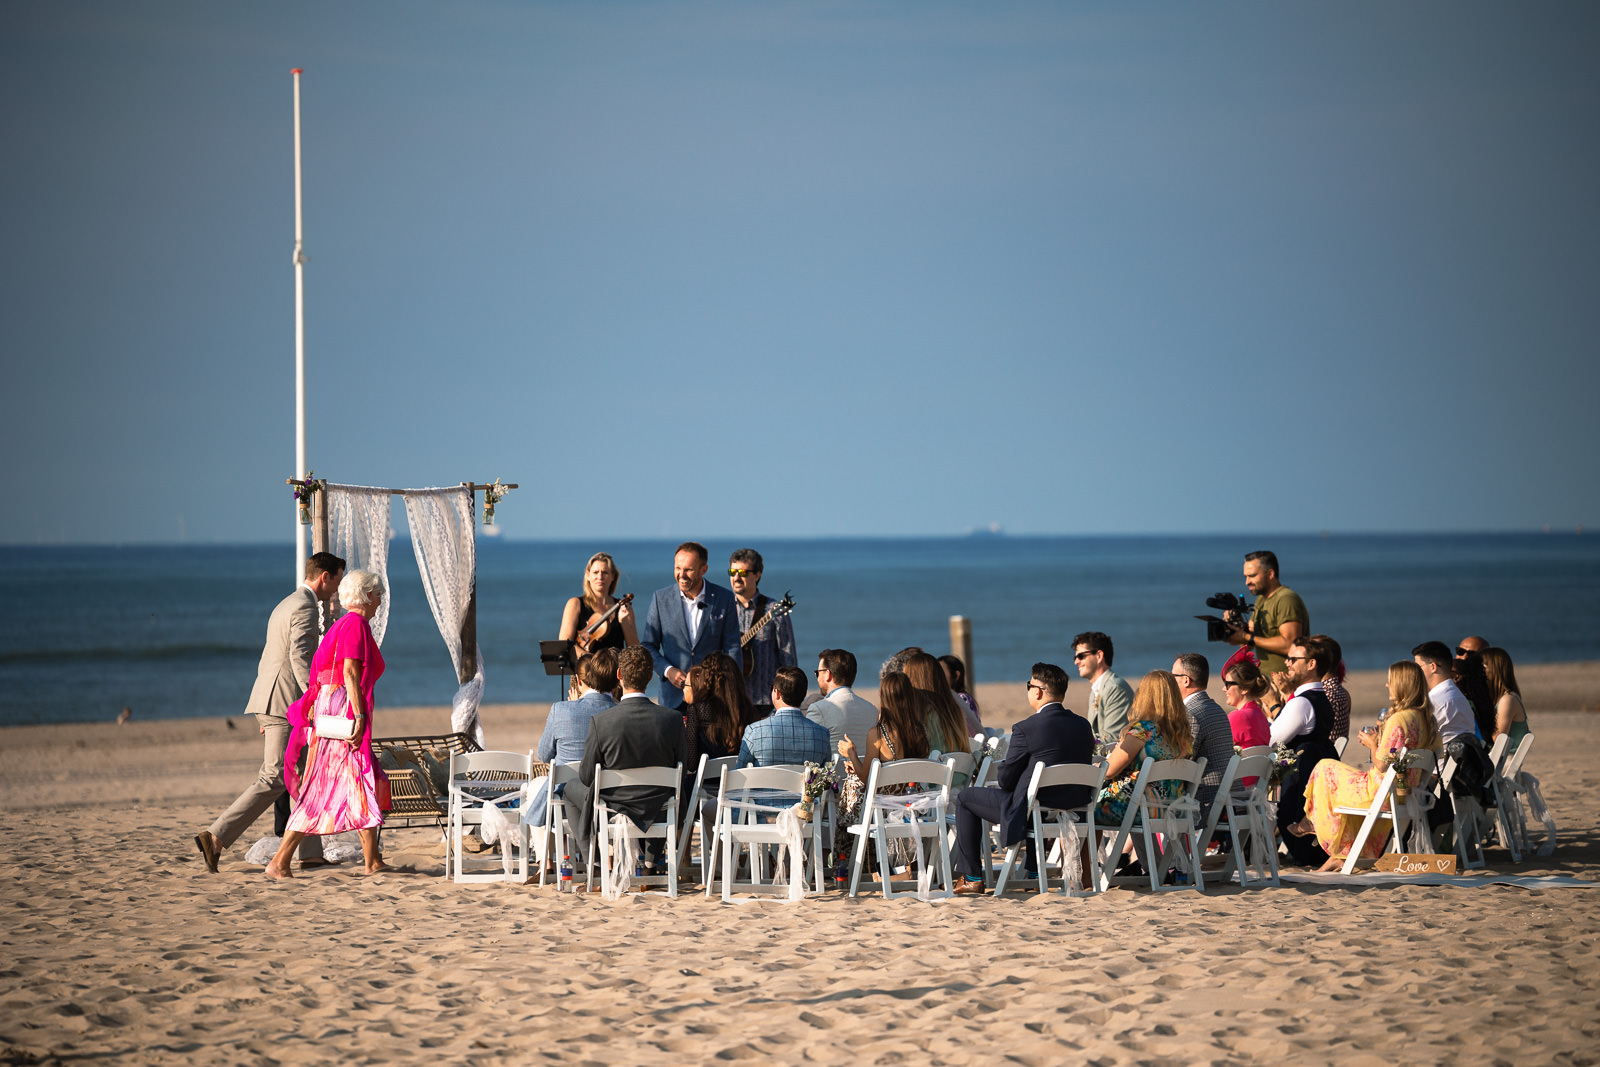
<point>342,788</point>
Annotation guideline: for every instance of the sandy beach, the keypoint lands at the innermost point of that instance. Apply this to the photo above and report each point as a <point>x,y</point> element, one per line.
<point>118,946</point>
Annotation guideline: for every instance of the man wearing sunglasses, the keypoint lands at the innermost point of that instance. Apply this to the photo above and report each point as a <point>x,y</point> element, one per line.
<point>770,649</point>
<point>1109,696</point>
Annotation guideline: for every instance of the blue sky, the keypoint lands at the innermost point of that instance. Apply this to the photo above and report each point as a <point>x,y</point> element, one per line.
<point>805,269</point>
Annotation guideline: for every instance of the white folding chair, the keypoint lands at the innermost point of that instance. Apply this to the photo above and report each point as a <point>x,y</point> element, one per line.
<point>746,820</point>
<point>1509,796</point>
<point>667,828</point>
<point>1063,824</point>
<point>1339,745</point>
<point>1170,824</point>
<point>560,843</point>
<point>924,818</point>
<point>478,780</point>
<point>1406,817</point>
<point>1243,813</point>
<point>1466,822</point>
<point>709,771</point>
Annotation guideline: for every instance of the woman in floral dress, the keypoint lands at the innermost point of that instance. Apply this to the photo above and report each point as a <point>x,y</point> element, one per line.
<point>1158,727</point>
<point>1409,724</point>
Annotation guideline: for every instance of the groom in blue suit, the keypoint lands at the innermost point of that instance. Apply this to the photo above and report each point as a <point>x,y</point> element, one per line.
<point>687,621</point>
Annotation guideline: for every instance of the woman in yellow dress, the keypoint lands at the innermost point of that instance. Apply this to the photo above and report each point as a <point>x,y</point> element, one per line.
<point>1410,724</point>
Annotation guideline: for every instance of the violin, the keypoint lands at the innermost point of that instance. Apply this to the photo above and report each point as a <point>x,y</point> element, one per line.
<point>586,638</point>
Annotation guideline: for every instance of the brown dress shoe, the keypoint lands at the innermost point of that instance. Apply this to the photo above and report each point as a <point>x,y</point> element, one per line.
<point>970,887</point>
<point>208,849</point>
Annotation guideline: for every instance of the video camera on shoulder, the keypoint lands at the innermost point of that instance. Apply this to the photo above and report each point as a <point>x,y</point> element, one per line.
<point>1235,615</point>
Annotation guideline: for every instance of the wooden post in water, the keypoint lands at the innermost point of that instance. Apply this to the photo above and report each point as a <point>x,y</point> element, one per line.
<point>961,644</point>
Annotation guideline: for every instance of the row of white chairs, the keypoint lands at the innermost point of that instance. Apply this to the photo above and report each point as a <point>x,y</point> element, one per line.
<point>1163,824</point>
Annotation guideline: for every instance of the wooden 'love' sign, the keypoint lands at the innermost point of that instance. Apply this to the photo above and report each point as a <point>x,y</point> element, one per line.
<point>1405,863</point>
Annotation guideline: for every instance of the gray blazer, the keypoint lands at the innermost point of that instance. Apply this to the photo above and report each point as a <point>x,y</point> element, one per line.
<point>666,634</point>
<point>1108,711</point>
<point>845,715</point>
<point>292,636</point>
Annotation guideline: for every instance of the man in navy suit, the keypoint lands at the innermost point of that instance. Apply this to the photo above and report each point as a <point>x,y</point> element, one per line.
<point>688,621</point>
<point>1052,734</point>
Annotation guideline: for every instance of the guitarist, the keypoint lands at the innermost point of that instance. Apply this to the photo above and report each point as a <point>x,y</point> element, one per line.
<point>773,647</point>
<point>599,588</point>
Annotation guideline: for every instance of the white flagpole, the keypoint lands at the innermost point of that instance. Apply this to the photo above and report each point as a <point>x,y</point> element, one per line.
<point>299,344</point>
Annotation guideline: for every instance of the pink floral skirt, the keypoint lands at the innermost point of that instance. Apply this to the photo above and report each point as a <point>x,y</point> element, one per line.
<point>335,794</point>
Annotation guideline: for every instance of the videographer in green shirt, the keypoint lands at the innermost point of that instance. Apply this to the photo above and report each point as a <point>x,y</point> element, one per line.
<point>1279,619</point>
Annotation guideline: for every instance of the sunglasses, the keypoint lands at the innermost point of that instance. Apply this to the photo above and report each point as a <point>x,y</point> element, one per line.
<point>1081,656</point>
<point>739,572</point>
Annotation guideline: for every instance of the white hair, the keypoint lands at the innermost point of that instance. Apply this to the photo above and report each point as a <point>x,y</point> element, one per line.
<point>360,589</point>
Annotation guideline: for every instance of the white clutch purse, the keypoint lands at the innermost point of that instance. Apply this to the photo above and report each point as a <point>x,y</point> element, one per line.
<point>331,718</point>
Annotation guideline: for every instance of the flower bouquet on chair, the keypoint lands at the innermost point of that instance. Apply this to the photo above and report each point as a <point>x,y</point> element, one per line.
<point>815,779</point>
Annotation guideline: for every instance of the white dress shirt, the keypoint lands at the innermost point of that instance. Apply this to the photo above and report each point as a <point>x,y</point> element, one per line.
<point>1451,710</point>
<point>694,610</point>
<point>1297,717</point>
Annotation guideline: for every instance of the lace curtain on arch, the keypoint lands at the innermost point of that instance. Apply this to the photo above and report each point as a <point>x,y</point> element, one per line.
<point>358,533</point>
<point>442,535</point>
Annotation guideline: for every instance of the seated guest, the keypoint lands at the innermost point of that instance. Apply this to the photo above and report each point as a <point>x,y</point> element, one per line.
<point>1305,725</point>
<point>1052,734</point>
<point>567,728</point>
<point>716,712</point>
<point>1243,687</point>
<point>785,736</point>
<point>1213,735</point>
<point>896,662</point>
<point>636,733</point>
<point>840,710</point>
<point>949,729</point>
<point>901,733</point>
<point>1158,728</point>
<point>956,671</point>
<point>1409,724</point>
<point>1333,687</point>
<point>1510,717</point>
<point>1109,696</point>
<point>1474,685</point>
<point>1451,712</point>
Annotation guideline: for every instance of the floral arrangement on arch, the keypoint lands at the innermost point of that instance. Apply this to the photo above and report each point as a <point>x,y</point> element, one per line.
<point>302,496</point>
<point>493,493</point>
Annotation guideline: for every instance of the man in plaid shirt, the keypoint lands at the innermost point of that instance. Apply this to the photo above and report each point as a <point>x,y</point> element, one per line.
<point>785,736</point>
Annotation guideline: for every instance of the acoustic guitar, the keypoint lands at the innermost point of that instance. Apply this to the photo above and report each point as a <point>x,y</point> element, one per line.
<point>778,610</point>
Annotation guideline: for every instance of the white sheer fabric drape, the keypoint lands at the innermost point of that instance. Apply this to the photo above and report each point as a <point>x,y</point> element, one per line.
<point>442,537</point>
<point>358,532</point>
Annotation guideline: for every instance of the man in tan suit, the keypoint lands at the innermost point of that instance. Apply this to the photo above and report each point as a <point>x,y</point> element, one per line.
<point>292,635</point>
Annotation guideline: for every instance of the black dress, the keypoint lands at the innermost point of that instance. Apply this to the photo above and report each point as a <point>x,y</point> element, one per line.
<point>1313,747</point>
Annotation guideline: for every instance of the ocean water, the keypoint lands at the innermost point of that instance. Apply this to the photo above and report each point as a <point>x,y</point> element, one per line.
<point>175,631</point>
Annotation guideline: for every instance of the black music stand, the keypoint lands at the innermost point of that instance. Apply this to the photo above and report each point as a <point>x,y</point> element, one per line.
<point>559,658</point>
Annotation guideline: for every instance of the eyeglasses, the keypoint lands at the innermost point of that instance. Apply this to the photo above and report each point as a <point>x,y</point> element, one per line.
<point>1035,685</point>
<point>740,572</point>
<point>819,672</point>
<point>1081,656</point>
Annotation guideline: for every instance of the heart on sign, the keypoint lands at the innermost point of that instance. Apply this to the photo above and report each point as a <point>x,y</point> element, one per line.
<point>1441,864</point>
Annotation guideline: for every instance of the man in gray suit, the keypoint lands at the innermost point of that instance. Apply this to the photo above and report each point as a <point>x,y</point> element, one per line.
<point>1213,735</point>
<point>840,710</point>
<point>1109,696</point>
<point>636,733</point>
<point>687,621</point>
<point>292,634</point>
